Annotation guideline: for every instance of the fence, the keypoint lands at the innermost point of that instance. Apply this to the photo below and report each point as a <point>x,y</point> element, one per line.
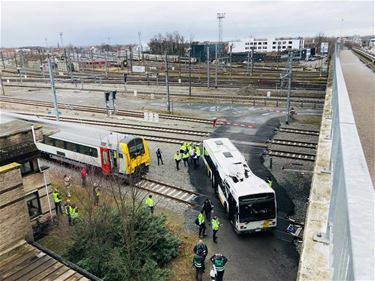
<point>351,216</point>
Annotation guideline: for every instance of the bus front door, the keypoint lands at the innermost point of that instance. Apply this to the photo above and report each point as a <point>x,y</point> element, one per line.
<point>232,208</point>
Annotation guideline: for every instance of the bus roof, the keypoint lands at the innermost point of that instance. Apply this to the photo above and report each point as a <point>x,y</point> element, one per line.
<point>233,168</point>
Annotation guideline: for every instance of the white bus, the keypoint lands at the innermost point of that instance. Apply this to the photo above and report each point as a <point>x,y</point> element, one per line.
<point>249,201</point>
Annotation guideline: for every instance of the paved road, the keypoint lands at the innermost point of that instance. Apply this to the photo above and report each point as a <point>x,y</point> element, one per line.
<point>260,256</point>
<point>360,82</point>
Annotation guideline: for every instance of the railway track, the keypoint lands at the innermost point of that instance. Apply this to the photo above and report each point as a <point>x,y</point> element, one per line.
<point>168,191</point>
<point>149,137</point>
<point>94,109</point>
<point>366,57</point>
<point>293,143</point>
<point>121,125</point>
<point>292,155</point>
<point>301,79</point>
<point>316,101</point>
<point>299,131</point>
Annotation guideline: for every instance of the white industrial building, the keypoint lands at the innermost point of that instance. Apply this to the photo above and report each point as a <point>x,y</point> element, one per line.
<point>267,44</point>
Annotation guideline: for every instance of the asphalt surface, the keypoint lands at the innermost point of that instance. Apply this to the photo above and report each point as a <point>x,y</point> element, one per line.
<point>360,82</point>
<point>259,256</point>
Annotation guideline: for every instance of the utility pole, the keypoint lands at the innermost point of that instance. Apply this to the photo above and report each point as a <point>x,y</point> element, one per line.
<point>1,83</point>
<point>208,66</point>
<point>23,63</point>
<point>106,65</point>
<point>61,39</point>
<point>167,83</point>
<point>68,64</point>
<point>92,59</point>
<point>230,62</point>
<point>140,50</point>
<point>41,62</point>
<point>190,71</point>
<point>220,17</point>
<point>248,62</point>
<point>131,59</point>
<point>2,59</point>
<point>290,61</point>
<point>15,59</point>
<point>252,60</point>
<point>53,90</point>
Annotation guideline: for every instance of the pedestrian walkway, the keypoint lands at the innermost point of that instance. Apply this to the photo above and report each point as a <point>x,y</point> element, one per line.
<point>360,82</point>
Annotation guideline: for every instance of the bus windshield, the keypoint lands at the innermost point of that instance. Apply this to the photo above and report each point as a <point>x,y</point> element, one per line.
<point>257,207</point>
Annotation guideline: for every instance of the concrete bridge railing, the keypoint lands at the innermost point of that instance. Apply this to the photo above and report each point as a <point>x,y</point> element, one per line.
<point>339,233</point>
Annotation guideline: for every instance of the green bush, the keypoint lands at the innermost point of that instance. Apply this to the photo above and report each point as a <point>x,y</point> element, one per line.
<point>128,245</point>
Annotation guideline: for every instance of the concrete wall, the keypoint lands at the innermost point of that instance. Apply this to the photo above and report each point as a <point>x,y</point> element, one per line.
<point>20,136</point>
<point>35,183</point>
<point>14,218</point>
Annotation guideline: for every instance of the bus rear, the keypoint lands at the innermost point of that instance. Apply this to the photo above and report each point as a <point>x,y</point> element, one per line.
<point>256,212</point>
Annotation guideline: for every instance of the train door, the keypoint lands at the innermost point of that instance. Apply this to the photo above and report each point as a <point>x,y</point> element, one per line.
<point>105,161</point>
<point>113,158</point>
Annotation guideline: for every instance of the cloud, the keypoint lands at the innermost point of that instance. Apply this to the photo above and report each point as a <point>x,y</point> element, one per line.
<point>85,23</point>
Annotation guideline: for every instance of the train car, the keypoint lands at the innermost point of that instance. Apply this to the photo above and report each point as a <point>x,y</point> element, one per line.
<point>112,153</point>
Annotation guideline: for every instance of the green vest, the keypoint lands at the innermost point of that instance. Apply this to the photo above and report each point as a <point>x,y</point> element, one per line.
<point>198,261</point>
<point>55,197</point>
<point>215,224</point>
<point>150,202</point>
<point>219,264</point>
<point>185,155</point>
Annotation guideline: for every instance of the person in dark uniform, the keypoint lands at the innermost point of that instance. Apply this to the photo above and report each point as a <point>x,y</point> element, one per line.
<point>159,156</point>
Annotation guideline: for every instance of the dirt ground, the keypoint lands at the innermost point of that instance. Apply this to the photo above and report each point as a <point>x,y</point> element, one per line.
<point>58,239</point>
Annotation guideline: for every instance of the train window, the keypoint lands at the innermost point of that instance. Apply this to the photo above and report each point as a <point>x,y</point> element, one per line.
<point>140,148</point>
<point>49,141</point>
<point>59,143</point>
<point>105,158</point>
<point>84,149</point>
<point>93,152</point>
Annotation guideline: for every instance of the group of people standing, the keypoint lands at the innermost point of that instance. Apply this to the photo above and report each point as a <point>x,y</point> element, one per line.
<point>188,153</point>
<point>71,209</point>
<point>205,214</point>
<point>201,250</point>
<point>218,261</point>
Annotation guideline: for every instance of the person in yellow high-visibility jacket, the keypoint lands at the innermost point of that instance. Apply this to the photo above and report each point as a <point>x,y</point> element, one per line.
<point>215,228</point>
<point>177,158</point>
<point>57,200</point>
<point>150,203</point>
<point>201,224</point>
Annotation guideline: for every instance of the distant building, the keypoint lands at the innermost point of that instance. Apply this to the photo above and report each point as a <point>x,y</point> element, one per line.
<point>266,45</point>
<point>199,50</point>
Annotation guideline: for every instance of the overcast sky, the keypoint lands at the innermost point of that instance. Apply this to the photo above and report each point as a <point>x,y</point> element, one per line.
<point>88,23</point>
